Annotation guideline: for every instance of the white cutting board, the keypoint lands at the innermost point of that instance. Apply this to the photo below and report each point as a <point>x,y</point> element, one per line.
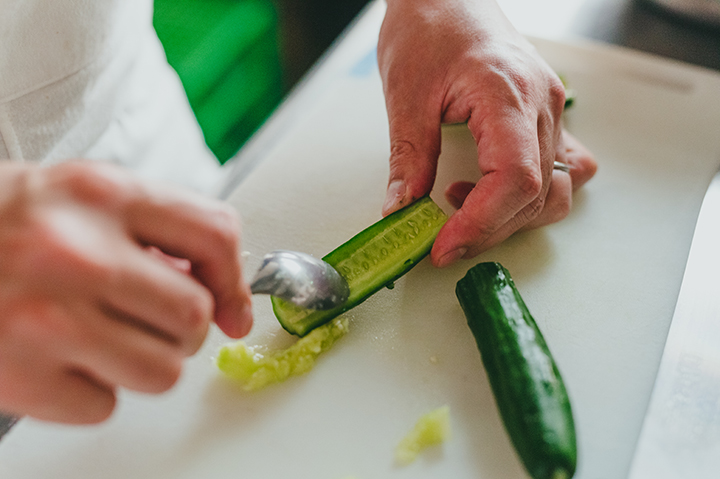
<point>602,286</point>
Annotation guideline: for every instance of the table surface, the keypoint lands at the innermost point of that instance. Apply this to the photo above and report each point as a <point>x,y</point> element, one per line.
<point>628,23</point>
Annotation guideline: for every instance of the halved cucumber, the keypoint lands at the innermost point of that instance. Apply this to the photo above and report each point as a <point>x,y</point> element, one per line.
<point>373,258</point>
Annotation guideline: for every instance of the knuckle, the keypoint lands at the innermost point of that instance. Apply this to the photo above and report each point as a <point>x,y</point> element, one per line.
<point>523,86</point>
<point>89,182</point>
<point>529,184</point>
<point>400,149</point>
<point>79,179</point>
<point>24,247</point>
<point>532,210</point>
<point>33,320</point>
<point>556,95</point>
<point>508,85</point>
<point>420,152</point>
<point>414,163</point>
<point>69,257</point>
<point>45,248</point>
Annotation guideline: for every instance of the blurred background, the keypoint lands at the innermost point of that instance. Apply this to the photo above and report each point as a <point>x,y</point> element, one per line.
<point>237,59</point>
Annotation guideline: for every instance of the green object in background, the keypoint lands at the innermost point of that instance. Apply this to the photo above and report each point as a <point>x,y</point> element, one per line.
<point>227,56</point>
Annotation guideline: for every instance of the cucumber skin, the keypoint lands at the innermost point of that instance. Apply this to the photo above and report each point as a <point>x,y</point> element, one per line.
<point>283,309</point>
<point>528,389</point>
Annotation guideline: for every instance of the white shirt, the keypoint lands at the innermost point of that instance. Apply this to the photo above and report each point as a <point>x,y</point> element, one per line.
<point>89,79</point>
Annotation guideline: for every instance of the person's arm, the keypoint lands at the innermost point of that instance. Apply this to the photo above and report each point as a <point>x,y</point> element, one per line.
<point>107,282</point>
<point>454,61</point>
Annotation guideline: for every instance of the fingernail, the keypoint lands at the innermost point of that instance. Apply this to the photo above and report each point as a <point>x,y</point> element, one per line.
<point>394,196</point>
<point>450,257</point>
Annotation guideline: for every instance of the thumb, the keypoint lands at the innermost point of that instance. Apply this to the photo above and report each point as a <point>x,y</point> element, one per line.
<point>414,151</point>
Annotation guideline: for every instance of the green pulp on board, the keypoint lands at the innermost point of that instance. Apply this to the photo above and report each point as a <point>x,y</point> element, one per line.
<point>431,429</point>
<point>255,370</point>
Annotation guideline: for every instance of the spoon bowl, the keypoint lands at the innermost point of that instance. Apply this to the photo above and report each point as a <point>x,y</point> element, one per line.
<point>302,279</point>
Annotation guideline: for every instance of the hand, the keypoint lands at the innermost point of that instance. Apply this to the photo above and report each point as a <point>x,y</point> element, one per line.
<point>454,61</point>
<point>107,283</point>
<point>557,202</point>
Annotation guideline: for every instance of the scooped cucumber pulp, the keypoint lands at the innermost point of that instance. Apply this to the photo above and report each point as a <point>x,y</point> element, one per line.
<point>373,258</point>
<point>255,369</point>
<point>529,391</point>
<point>431,429</point>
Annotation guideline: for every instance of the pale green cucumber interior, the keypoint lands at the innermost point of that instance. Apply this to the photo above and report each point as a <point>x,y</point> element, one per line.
<point>370,260</point>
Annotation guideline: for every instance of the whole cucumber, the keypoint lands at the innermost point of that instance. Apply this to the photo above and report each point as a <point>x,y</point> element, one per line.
<point>529,391</point>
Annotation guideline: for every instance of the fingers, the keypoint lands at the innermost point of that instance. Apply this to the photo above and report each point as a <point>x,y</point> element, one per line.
<point>207,234</point>
<point>581,161</point>
<point>178,223</point>
<point>414,136</point>
<point>65,362</point>
<point>556,206</point>
<point>36,384</point>
<point>149,294</point>
<point>81,399</point>
<point>63,396</point>
<point>508,193</point>
<point>76,399</point>
<point>117,352</point>
<point>107,283</point>
<point>558,201</point>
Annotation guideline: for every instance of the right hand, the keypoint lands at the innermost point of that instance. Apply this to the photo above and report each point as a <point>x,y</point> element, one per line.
<point>107,282</point>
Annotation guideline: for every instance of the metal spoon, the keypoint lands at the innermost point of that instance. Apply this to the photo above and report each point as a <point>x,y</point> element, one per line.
<point>302,279</point>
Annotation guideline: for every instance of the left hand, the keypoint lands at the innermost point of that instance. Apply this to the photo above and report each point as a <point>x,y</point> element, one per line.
<point>454,61</point>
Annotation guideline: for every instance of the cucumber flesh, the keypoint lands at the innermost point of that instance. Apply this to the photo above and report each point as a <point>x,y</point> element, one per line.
<point>528,389</point>
<point>431,429</point>
<point>373,258</point>
<point>255,368</point>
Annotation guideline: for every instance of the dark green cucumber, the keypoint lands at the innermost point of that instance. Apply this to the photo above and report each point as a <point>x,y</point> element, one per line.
<point>525,380</point>
<point>373,258</point>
